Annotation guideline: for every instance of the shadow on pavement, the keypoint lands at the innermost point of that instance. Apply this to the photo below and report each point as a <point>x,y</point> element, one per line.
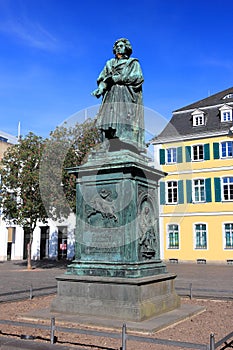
<point>42,264</point>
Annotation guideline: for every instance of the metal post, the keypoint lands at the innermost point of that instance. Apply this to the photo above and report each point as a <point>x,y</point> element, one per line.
<point>212,341</point>
<point>30,293</point>
<point>52,331</point>
<point>124,337</point>
<point>191,291</point>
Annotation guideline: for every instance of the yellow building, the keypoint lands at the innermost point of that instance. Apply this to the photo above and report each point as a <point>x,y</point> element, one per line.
<point>196,196</point>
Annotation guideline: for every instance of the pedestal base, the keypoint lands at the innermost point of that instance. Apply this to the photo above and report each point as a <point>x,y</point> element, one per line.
<point>117,269</point>
<point>130,299</point>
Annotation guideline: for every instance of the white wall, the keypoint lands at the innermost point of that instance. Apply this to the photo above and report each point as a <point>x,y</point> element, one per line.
<point>18,241</point>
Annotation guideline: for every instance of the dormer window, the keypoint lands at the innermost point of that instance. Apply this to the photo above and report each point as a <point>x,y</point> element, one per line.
<point>198,117</point>
<point>228,96</point>
<point>226,113</point>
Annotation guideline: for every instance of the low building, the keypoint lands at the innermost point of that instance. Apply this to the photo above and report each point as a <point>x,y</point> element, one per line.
<point>196,151</point>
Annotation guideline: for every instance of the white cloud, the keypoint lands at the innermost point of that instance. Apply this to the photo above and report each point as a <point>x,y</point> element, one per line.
<point>31,34</point>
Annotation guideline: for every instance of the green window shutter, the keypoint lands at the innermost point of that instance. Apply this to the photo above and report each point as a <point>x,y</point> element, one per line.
<point>217,189</point>
<point>189,191</point>
<point>207,151</point>
<point>208,195</point>
<point>162,156</point>
<point>180,192</point>
<point>188,153</point>
<point>179,155</point>
<point>162,193</point>
<point>216,150</point>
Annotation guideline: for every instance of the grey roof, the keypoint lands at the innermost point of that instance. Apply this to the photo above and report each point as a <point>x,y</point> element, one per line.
<point>181,122</point>
<point>210,101</point>
<point>8,137</point>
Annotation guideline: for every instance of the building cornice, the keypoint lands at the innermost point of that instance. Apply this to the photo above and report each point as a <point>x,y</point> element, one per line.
<point>201,108</point>
<point>179,138</point>
<point>215,213</point>
<point>201,170</point>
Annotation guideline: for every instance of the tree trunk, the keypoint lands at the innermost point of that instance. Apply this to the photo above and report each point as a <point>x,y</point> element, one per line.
<point>29,250</point>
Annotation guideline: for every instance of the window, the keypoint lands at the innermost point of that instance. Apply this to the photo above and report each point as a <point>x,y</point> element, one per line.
<point>198,117</point>
<point>198,152</point>
<point>228,236</point>
<point>200,236</point>
<point>172,192</point>
<point>227,188</point>
<point>198,120</point>
<point>226,149</point>
<point>173,236</point>
<point>199,190</point>
<point>228,96</point>
<point>226,113</point>
<point>171,155</point>
<point>226,116</point>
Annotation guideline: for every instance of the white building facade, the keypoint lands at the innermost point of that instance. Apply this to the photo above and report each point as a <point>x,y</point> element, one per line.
<point>50,241</point>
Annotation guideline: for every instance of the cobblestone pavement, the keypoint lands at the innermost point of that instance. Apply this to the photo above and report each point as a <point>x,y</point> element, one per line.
<point>17,282</point>
<point>205,279</point>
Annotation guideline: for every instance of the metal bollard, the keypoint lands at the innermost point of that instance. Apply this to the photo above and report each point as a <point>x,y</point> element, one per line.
<point>52,332</point>
<point>124,337</point>
<point>212,341</point>
<point>191,291</point>
<point>30,293</point>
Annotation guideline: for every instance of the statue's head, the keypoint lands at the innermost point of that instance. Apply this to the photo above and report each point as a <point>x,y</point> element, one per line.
<point>128,47</point>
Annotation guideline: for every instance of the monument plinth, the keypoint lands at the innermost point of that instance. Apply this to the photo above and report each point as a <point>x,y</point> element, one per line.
<point>117,271</point>
<point>117,221</point>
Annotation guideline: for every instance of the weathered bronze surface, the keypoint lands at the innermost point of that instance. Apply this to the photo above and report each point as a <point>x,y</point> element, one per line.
<point>117,217</point>
<point>117,271</point>
<point>120,85</point>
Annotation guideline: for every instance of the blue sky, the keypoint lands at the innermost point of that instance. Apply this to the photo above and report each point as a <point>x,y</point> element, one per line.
<point>53,50</point>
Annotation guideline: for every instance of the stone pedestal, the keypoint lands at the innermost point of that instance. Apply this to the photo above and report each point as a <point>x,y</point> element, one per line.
<point>127,299</point>
<point>117,217</point>
<point>117,271</point>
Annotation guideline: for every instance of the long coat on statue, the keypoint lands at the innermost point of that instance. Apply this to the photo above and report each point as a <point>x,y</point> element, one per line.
<point>122,108</point>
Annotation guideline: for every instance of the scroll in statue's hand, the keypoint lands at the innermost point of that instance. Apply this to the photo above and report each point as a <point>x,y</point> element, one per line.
<point>97,93</point>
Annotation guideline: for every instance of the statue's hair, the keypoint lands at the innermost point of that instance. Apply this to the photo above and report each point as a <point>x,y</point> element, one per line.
<point>128,46</point>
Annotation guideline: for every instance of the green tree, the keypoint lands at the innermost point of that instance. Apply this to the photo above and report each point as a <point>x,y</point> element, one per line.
<point>20,192</point>
<point>67,146</point>
<point>35,182</point>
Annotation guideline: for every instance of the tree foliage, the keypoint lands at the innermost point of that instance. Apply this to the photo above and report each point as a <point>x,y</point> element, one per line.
<point>68,146</point>
<point>35,182</point>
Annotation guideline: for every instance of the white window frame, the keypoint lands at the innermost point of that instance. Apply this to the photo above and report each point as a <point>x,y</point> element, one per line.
<point>198,159</point>
<point>199,186</point>
<point>198,118</point>
<point>229,186</point>
<point>173,151</point>
<point>226,113</point>
<point>228,150</point>
<point>230,95</point>
<point>173,188</point>
<point>224,235</point>
<point>168,231</point>
<point>195,236</point>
